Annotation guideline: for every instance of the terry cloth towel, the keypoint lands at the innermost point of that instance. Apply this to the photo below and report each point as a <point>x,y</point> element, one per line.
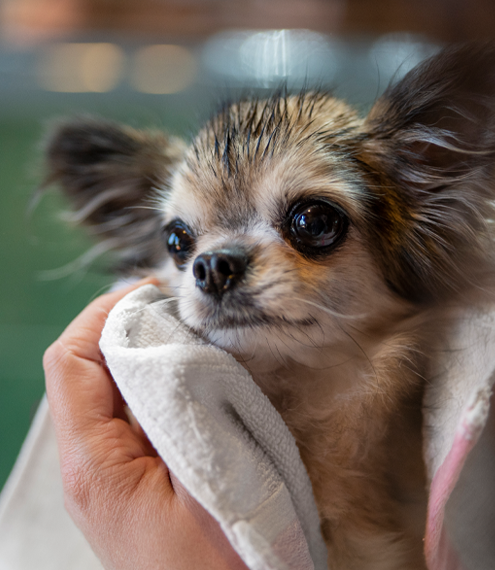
<point>207,388</point>
<point>216,431</point>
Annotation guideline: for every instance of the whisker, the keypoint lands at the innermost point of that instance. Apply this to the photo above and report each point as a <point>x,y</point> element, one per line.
<point>361,349</point>
<point>81,262</point>
<point>329,311</point>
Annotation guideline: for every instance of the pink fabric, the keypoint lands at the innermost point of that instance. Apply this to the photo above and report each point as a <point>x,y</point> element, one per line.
<point>439,552</point>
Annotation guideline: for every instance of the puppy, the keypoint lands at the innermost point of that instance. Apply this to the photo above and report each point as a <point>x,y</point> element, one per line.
<point>329,253</point>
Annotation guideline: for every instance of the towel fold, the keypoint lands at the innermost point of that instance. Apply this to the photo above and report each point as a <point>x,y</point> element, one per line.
<point>229,447</point>
<point>216,431</point>
<point>456,409</point>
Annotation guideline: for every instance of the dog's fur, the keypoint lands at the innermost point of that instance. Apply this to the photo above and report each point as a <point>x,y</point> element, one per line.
<point>340,336</point>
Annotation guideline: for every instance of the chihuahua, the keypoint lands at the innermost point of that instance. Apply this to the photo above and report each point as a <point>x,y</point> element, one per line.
<point>329,253</point>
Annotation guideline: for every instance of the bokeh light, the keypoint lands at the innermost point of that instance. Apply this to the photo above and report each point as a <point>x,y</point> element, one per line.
<point>163,69</point>
<point>81,67</point>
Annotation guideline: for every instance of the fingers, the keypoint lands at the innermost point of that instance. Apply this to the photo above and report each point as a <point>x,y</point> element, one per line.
<point>83,335</point>
<point>116,488</point>
<point>193,514</point>
<point>80,391</point>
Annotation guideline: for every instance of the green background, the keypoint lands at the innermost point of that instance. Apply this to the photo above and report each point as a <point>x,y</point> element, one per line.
<point>34,240</point>
<point>33,311</point>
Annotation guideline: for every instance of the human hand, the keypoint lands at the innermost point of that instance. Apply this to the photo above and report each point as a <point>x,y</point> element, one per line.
<point>133,512</point>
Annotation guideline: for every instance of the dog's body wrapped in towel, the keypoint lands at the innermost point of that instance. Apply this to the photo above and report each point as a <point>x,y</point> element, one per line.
<point>231,450</point>
<point>216,431</point>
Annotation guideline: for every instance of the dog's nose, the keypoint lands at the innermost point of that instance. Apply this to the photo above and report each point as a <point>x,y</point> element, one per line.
<point>218,271</point>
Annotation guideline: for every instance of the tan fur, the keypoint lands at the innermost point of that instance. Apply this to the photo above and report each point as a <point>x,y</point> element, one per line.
<point>341,339</point>
<point>348,387</point>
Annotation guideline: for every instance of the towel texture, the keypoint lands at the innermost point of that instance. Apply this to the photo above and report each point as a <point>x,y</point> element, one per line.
<point>231,450</point>
<point>216,431</point>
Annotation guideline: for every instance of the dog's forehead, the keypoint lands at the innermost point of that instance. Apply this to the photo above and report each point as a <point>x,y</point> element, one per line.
<point>255,158</point>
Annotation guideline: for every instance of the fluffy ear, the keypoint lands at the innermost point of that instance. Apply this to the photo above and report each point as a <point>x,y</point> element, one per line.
<point>110,175</point>
<point>430,151</point>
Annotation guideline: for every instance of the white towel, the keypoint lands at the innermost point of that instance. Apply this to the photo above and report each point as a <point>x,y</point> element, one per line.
<point>212,403</point>
<point>216,431</point>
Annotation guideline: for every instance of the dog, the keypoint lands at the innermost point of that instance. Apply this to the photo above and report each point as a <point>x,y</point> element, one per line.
<point>329,253</point>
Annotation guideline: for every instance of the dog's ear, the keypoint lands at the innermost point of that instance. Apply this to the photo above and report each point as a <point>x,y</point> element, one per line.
<point>430,151</point>
<point>110,174</point>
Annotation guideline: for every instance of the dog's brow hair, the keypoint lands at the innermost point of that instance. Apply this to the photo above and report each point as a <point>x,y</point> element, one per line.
<point>255,130</point>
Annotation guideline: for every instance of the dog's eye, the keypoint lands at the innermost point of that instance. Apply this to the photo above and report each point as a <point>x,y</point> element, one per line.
<point>180,242</point>
<point>317,226</point>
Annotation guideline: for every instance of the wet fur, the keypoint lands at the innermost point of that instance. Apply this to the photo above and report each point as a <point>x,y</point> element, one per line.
<point>342,343</point>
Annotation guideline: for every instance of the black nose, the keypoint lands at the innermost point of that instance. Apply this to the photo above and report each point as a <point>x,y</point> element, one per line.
<point>218,271</point>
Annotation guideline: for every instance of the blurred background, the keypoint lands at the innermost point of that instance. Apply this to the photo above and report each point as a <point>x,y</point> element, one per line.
<point>164,63</point>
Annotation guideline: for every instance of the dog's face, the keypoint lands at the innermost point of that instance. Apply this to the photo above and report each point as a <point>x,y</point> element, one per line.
<point>266,236</point>
<point>288,222</point>
<point>311,243</point>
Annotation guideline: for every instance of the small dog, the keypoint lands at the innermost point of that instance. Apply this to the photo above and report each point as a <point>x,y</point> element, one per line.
<point>329,254</point>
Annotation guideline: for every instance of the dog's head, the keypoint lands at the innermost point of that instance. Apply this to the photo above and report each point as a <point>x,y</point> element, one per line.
<point>289,220</point>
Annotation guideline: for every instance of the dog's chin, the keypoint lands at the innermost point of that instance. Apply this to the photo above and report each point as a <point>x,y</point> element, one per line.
<point>261,342</point>
<point>261,339</point>
<point>260,349</point>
